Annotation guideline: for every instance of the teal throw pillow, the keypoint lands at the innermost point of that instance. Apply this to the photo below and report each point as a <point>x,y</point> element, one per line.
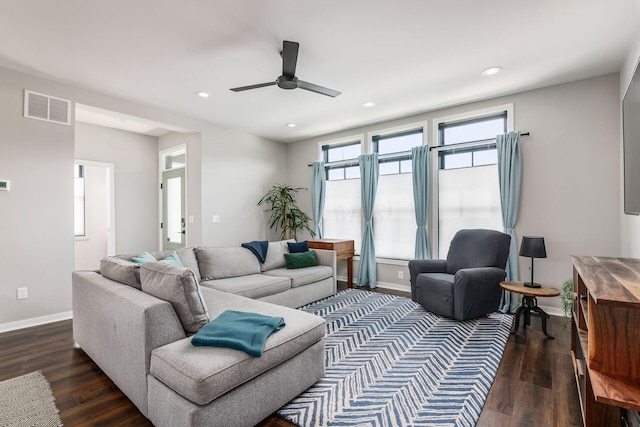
<point>145,257</point>
<point>173,260</point>
<point>301,259</point>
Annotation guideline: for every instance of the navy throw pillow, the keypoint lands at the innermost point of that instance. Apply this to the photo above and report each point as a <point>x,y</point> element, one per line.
<point>297,247</point>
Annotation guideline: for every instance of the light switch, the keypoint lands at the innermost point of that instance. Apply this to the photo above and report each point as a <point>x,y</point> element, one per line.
<point>216,219</point>
<point>190,219</point>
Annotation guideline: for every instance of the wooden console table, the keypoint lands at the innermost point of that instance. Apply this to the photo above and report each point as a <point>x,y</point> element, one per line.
<point>344,250</point>
<point>605,335</point>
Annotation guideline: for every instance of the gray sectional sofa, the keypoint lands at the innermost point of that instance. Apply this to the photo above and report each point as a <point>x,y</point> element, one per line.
<point>140,341</point>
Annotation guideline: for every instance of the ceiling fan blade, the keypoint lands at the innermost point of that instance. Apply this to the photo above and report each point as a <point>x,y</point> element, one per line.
<point>318,89</point>
<point>289,58</point>
<point>239,89</point>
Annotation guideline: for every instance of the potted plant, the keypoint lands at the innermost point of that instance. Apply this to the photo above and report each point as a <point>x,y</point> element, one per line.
<point>285,213</point>
<point>566,298</point>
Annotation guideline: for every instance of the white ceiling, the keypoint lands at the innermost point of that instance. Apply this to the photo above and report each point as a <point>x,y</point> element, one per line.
<point>407,56</point>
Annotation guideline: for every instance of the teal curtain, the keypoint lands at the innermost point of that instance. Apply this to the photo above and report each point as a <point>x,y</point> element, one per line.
<point>318,190</point>
<point>369,186</point>
<point>420,172</point>
<point>509,176</point>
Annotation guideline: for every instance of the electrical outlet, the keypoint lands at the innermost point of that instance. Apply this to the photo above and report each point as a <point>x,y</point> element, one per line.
<point>215,219</point>
<point>400,274</point>
<point>23,293</point>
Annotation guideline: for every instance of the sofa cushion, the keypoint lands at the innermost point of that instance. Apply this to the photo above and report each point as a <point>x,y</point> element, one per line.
<point>122,271</point>
<point>251,286</point>
<point>178,286</point>
<point>220,263</point>
<point>302,276</point>
<point>301,259</point>
<point>275,255</point>
<point>201,374</point>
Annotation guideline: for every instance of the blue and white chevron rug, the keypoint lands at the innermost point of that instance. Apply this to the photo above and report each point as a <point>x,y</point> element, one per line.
<point>391,363</point>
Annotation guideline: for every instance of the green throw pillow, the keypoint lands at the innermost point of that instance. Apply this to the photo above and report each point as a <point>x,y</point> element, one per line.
<point>173,259</point>
<point>301,259</point>
<point>145,257</point>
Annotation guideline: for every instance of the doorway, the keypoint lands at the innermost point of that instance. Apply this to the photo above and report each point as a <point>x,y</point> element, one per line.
<point>173,198</point>
<point>94,213</point>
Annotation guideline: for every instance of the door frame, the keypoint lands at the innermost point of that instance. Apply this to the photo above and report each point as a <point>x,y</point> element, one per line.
<point>181,148</point>
<point>111,213</point>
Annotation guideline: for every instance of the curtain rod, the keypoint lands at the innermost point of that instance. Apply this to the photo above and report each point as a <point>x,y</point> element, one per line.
<point>521,134</point>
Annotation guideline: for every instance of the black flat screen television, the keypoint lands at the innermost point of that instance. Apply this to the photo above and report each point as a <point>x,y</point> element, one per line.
<point>631,145</point>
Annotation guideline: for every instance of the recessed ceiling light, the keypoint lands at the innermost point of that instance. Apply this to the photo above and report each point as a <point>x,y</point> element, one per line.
<point>491,70</point>
<point>291,125</point>
<point>202,94</point>
<point>368,104</point>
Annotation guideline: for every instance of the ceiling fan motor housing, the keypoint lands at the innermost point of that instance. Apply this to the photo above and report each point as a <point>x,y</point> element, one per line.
<point>285,82</point>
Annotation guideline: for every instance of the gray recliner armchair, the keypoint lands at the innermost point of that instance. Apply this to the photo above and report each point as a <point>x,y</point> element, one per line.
<point>467,283</point>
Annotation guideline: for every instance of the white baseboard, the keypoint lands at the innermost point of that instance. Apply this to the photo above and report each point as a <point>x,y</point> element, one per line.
<point>394,286</point>
<point>27,323</point>
<point>552,311</point>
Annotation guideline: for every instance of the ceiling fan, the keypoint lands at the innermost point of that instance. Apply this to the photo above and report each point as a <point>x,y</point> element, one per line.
<point>288,79</point>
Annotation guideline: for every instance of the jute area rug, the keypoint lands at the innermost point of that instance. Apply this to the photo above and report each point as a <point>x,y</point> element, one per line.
<point>27,401</point>
<point>391,363</point>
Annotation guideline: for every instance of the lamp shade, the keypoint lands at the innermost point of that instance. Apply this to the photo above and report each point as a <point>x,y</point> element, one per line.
<point>533,247</point>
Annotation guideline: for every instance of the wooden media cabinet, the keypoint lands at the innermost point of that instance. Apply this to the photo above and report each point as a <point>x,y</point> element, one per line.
<point>605,339</point>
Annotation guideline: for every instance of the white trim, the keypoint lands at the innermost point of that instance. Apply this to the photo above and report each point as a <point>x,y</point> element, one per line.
<point>182,148</point>
<point>391,261</point>
<point>35,321</point>
<point>394,286</point>
<point>553,311</point>
<point>111,233</point>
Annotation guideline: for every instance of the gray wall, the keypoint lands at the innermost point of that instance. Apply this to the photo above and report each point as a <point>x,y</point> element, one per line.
<point>135,159</point>
<point>36,217</point>
<point>570,172</point>
<point>238,171</point>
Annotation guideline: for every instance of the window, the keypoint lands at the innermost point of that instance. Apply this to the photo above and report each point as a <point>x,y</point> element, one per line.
<point>341,161</point>
<point>468,189</point>
<point>78,201</point>
<point>342,218</point>
<point>394,221</point>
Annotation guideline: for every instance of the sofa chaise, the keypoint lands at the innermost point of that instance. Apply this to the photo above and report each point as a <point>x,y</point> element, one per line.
<point>139,340</point>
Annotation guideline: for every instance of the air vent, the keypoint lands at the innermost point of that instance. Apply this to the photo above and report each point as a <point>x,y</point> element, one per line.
<point>48,108</point>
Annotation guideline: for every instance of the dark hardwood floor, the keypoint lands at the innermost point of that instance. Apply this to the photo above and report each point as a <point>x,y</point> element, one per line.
<point>534,385</point>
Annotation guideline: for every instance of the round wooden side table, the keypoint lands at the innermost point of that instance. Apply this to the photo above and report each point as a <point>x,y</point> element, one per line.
<point>529,304</point>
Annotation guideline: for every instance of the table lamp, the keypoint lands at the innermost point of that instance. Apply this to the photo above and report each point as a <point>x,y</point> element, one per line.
<point>533,247</point>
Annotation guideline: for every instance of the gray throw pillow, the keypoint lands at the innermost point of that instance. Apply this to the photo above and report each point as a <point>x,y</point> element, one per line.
<point>178,286</point>
<point>121,271</point>
<point>275,255</point>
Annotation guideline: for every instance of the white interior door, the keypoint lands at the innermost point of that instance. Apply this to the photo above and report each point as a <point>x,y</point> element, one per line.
<point>174,229</point>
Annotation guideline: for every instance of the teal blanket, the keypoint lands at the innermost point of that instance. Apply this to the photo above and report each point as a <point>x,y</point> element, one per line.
<point>239,330</point>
